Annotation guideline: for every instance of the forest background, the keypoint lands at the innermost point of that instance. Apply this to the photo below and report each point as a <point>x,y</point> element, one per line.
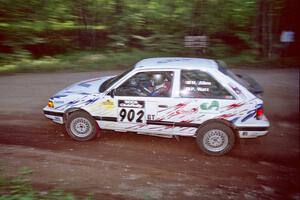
<point>51,35</point>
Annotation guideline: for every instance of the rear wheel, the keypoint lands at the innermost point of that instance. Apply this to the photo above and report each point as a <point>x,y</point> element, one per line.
<point>81,126</point>
<point>215,139</point>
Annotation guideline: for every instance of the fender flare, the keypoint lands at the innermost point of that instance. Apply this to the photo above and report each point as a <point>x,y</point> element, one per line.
<point>71,110</point>
<point>221,121</point>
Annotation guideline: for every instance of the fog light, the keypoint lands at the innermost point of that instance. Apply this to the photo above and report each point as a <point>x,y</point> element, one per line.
<point>50,104</point>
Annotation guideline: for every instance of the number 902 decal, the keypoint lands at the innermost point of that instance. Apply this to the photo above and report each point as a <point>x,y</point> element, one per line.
<point>131,111</point>
<point>131,115</point>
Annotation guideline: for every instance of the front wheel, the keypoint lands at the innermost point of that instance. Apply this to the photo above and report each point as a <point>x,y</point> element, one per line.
<point>81,126</point>
<point>215,139</point>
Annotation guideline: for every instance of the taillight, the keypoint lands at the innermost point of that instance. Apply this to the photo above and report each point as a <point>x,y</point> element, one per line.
<point>259,113</point>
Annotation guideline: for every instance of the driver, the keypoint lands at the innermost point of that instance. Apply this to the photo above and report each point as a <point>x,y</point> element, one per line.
<point>161,85</point>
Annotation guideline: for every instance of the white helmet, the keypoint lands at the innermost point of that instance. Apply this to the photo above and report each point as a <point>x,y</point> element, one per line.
<point>158,79</point>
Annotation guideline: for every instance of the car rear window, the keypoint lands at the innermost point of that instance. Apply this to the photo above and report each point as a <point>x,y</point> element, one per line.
<point>223,68</point>
<point>199,84</point>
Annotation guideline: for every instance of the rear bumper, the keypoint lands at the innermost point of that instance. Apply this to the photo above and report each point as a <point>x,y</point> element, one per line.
<point>252,132</point>
<point>254,128</point>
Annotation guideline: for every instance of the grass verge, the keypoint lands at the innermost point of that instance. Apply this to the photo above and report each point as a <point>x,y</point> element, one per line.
<point>20,187</point>
<point>92,60</point>
<point>79,61</point>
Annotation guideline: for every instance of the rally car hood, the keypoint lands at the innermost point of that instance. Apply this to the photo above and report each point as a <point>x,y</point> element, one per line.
<point>90,86</point>
<point>78,92</point>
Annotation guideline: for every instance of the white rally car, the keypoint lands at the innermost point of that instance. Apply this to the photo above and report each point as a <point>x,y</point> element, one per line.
<point>166,97</point>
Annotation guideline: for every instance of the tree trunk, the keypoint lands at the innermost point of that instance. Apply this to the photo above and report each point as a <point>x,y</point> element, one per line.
<point>270,27</point>
<point>264,28</point>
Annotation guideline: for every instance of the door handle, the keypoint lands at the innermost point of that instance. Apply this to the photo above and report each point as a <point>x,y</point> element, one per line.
<point>162,106</point>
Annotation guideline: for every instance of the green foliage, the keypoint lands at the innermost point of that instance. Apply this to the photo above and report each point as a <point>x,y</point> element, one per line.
<point>220,49</point>
<point>20,188</point>
<point>25,21</point>
<point>35,28</point>
<point>81,61</point>
<point>25,171</point>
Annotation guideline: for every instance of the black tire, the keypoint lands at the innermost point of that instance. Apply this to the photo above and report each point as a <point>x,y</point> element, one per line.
<point>215,139</point>
<point>81,126</point>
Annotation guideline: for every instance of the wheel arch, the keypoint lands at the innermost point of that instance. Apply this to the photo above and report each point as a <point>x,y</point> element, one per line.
<point>221,121</point>
<point>76,113</point>
<point>71,110</point>
<point>226,128</point>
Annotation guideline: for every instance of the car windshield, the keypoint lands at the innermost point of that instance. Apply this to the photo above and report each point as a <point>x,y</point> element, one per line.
<point>112,81</point>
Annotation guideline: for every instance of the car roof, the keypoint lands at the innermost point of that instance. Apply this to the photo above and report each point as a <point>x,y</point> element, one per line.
<point>176,62</point>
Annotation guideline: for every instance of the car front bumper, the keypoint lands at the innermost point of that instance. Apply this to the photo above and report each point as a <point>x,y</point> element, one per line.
<point>55,116</point>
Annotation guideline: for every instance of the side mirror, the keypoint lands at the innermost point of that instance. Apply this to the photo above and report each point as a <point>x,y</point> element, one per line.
<point>112,93</point>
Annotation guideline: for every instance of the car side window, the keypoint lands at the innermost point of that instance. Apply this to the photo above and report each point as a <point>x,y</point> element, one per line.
<point>198,84</point>
<point>147,84</point>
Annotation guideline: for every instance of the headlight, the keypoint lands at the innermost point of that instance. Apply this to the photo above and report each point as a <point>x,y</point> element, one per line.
<point>50,104</point>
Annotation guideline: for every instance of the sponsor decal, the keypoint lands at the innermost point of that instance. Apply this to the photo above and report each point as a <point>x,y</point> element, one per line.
<point>131,104</point>
<point>108,104</point>
<point>214,105</point>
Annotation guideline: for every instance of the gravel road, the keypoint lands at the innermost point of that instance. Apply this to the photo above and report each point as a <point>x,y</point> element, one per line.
<point>130,166</point>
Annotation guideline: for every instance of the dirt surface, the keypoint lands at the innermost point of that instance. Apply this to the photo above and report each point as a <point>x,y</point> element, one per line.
<point>131,166</point>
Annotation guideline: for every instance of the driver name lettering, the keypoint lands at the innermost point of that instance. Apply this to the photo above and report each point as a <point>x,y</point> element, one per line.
<point>198,89</point>
<point>197,83</point>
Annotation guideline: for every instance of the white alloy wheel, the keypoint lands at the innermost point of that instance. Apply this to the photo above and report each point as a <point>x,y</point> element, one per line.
<point>215,140</point>
<point>81,126</point>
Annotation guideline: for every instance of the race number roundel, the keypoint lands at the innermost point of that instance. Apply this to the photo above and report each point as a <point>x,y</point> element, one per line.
<point>131,111</point>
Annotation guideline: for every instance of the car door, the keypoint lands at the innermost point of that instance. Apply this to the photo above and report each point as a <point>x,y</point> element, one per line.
<point>140,99</point>
<point>201,97</point>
